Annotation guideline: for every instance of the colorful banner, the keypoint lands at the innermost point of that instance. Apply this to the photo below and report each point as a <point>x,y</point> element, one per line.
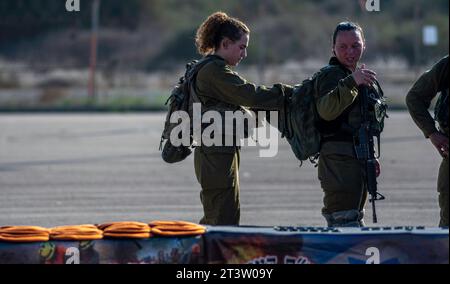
<point>241,245</point>
<point>107,251</point>
<point>327,246</point>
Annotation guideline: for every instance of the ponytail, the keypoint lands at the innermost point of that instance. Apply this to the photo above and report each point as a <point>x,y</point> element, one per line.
<point>217,27</point>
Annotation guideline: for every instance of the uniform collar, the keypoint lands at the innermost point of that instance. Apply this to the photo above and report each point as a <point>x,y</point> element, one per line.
<point>335,62</point>
<point>215,56</point>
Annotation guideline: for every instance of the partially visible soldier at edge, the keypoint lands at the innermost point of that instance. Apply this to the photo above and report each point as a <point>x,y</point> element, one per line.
<point>339,87</point>
<point>224,40</point>
<point>418,101</point>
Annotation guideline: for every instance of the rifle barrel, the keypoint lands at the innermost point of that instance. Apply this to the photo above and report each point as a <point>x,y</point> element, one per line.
<point>375,219</point>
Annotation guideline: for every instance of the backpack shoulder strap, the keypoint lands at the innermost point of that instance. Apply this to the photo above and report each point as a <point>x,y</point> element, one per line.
<point>191,76</point>
<point>316,76</point>
<point>327,68</point>
<point>194,67</point>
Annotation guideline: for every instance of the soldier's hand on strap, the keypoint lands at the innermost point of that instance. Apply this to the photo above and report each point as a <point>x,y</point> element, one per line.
<point>363,76</point>
<point>440,141</point>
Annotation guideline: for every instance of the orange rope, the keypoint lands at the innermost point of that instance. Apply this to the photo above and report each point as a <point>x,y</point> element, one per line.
<point>87,232</point>
<point>24,234</point>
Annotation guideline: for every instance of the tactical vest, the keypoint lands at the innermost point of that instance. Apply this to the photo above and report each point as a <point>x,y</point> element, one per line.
<point>344,127</point>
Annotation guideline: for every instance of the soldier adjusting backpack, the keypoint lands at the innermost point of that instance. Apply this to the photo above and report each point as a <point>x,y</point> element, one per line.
<point>180,100</point>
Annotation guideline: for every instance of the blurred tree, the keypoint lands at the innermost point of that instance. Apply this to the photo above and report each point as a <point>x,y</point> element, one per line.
<point>160,32</point>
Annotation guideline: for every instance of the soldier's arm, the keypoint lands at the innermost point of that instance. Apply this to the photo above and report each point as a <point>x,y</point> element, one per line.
<point>419,98</point>
<point>336,92</point>
<point>227,86</point>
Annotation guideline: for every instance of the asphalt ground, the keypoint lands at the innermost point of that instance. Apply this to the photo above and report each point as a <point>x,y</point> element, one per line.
<point>67,169</point>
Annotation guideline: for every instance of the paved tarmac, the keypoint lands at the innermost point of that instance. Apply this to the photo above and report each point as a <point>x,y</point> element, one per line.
<point>66,169</point>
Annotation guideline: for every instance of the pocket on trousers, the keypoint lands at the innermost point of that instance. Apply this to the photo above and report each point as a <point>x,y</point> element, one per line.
<point>218,170</point>
<point>340,173</point>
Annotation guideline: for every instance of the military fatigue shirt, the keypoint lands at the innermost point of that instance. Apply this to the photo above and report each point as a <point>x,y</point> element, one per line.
<point>218,84</point>
<point>221,89</point>
<point>422,93</point>
<point>337,92</point>
<point>338,106</point>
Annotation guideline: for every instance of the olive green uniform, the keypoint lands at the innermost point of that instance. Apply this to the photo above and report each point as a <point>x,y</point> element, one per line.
<point>340,172</point>
<point>217,167</point>
<point>418,101</point>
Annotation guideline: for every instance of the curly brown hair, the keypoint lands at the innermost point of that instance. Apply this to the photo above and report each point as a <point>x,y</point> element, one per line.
<point>217,27</point>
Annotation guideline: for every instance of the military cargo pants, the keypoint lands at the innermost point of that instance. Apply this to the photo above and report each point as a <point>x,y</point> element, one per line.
<point>443,189</point>
<point>217,171</point>
<point>341,178</point>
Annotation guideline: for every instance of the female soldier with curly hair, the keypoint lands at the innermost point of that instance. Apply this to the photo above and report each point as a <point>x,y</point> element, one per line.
<point>223,41</point>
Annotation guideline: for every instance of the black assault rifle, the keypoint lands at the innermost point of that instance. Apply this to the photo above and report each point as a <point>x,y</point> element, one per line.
<point>365,150</point>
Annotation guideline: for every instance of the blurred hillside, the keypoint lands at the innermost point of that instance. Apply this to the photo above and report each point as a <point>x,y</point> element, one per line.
<point>144,44</point>
<point>151,34</point>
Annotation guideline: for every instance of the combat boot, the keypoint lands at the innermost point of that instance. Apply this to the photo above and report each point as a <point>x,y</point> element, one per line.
<point>347,218</point>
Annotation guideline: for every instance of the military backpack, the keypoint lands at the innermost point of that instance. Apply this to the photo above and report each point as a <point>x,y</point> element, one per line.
<point>180,99</point>
<point>298,120</point>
